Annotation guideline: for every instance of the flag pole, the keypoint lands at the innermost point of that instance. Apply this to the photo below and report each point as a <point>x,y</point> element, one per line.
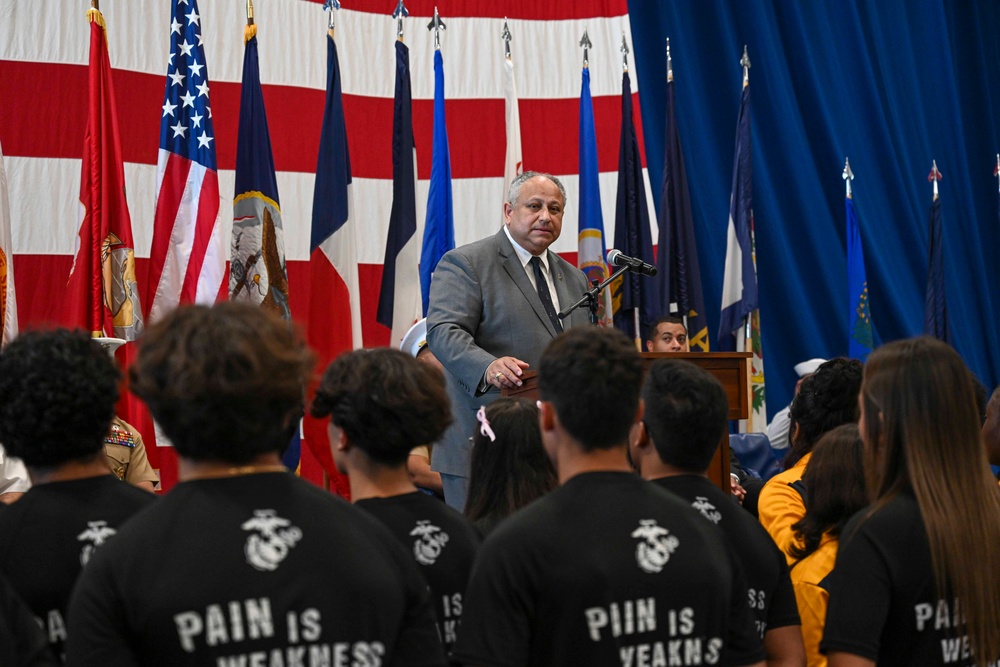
<point>437,25</point>
<point>250,30</point>
<point>672,307</point>
<point>848,176</point>
<point>399,14</point>
<point>996,172</point>
<point>934,177</point>
<point>745,63</point>
<point>330,6</point>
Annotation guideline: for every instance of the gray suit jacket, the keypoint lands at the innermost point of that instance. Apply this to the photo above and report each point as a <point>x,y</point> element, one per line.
<point>482,307</point>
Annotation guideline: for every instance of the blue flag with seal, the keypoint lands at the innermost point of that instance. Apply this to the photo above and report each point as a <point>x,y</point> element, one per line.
<point>637,302</point>
<point>678,273</point>
<point>439,228</point>
<point>861,340</point>
<point>257,252</point>
<point>591,249</point>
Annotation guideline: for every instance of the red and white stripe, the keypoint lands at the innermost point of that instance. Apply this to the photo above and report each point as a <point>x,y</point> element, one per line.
<point>187,256</point>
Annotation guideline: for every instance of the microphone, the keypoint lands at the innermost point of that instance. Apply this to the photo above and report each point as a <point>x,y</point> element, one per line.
<point>617,258</point>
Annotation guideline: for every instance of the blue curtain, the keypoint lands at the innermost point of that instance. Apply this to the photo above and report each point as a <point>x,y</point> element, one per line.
<point>893,85</point>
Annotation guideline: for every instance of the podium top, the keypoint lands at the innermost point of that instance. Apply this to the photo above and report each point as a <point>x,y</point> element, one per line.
<point>729,368</point>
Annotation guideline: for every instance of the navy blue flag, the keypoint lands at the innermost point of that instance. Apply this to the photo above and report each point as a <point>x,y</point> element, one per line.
<point>935,303</point>
<point>633,236</point>
<point>679,277</point>
<point>334,320</point>
<point>399,296</point>
<point>861,340</point>
<point>257,253</point>
<point>439,229</point>
<point>739,284</point>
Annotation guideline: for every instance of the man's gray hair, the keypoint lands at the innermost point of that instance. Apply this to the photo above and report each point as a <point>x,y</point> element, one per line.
<point>514,191</point>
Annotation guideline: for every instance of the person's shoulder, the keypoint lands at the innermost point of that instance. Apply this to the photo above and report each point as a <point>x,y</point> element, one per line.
<point>487,244</point>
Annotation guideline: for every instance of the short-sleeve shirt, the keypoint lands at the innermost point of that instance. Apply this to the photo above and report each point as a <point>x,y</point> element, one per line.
<point>126,453</point>
<point>607,569</point>
<point>781,506</point>
<point>51,533</point>
<point>254,569</point>
<point>769,587</point>
<point>441,541</point>
<point>882,604</point>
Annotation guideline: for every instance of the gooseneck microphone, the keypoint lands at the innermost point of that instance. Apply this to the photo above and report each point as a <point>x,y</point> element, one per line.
<point>617,258</point>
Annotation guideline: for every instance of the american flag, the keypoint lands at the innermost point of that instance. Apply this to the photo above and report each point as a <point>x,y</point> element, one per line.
<point>187,259</point>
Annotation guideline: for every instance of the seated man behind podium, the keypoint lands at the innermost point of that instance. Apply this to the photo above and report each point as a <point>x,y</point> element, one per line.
<point>58,391</point>
<point>606,569</point>
<point>673,445</point>
<point>254,565</point>
<point>668,334</point>
<point>493,309</point>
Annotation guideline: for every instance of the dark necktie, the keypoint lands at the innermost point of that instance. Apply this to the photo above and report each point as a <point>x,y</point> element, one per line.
<point>543,293</point>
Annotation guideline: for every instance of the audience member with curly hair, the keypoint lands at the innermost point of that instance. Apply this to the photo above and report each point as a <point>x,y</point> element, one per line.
<point>834,488</point>
<point>509,467</point>
<point>381,404</point>
<point>916,580</point>
<point>826,399</point>
<point>254,564</point>
<point>58,391</point>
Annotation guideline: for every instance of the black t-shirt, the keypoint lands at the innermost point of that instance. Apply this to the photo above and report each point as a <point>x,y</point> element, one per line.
<point>605,570</point>
<point>769,586</point>
<point>257,569</point>
<point>442,542</point>
<point>21,640</point>
<point>882,601</point>
<point>50,533</point>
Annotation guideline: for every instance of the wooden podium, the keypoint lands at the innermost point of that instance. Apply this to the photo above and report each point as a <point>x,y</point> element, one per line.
<point>729,368</point>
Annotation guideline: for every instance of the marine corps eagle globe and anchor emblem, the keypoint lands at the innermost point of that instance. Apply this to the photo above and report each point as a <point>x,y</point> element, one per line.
<point>658,544</point>
<point>430,542</point>
<point>271,541</point>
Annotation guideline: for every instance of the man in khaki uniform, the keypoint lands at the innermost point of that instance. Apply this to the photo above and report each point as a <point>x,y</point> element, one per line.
<point>126,455</point>
<point>123,446</point>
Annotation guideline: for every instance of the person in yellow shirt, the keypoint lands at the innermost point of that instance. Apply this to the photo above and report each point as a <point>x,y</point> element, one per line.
<point>834,488</point>
<point>826,399</point>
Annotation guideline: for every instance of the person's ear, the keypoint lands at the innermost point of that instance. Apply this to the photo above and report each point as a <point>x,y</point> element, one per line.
<point>546,415</point>
<point>508,210</point>
<point>339,442</point>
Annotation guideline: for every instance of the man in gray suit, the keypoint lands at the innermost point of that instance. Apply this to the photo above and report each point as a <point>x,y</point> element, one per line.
<point>490,316</point>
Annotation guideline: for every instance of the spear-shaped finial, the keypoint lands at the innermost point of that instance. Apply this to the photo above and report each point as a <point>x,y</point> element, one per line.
<point>996,172</point>
<point>437,25</point>
<point>330,6</point>
<point>505,36</point>
<point>848,176</point>
<point>585,43</point>
<point>250,30</point>
<point>934,177</point>
<point>399,14</point>
<point>670,64</point>
<point>745,63</point>
<point>625,52</point>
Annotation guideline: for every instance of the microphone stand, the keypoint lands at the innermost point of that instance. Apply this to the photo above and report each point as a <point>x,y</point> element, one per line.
<point>590,298</point>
